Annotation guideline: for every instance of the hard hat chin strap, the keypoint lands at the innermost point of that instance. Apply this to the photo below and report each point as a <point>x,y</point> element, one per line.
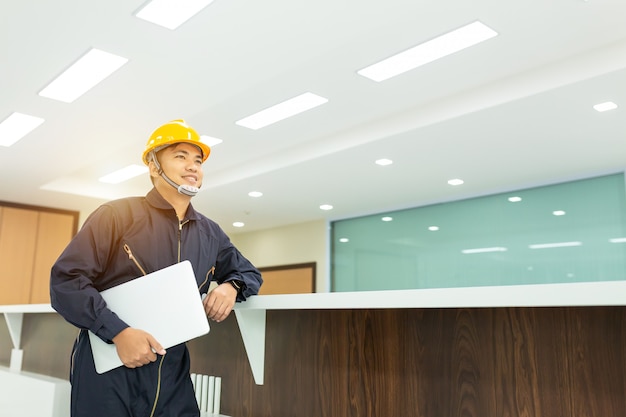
<point>182,189</point>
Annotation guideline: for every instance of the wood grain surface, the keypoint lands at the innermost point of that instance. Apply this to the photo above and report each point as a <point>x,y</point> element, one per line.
<point>490,362</point>
<point>513,362</point>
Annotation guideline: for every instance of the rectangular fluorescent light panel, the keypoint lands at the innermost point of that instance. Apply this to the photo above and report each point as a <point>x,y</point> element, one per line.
<point>84,74</point>
<point>209,140</point>
<point>618,240</point>
<point>124,174</point>
<point>171,13</point>
<point>609,105</point>
<point>422,54</point>
<point>281,111</point>
<point>554,245</point>
<point>16,126</point>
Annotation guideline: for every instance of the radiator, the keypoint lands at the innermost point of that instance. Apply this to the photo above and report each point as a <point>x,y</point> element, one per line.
<point>208,390</point>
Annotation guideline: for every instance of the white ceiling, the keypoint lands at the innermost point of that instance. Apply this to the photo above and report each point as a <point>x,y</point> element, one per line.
<point>513,112</point>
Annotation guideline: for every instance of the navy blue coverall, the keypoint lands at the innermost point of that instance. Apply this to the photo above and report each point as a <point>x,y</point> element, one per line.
<point>97,258</point>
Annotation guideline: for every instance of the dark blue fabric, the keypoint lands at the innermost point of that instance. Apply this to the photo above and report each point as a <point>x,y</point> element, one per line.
<point>124,392</point>
<point>95,260</point>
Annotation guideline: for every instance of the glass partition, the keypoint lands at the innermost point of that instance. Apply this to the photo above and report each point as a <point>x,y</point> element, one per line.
<point>569,232</point>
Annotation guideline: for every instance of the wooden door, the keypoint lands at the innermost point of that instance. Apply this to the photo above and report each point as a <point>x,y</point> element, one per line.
<point>18,231</point>
<point>288,279</point>
<point>54,232</point>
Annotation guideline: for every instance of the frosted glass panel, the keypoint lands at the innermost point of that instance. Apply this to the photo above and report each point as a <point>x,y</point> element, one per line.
<point>570,232</point>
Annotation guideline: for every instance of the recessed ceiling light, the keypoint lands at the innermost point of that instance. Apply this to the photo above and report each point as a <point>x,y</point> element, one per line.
<point>387,219</point>
<point>255,194</point>
<point>455,181</point>
<point>618,240</point>
<point>344,240</point>
<point>558,213</point>
<point>124,174</point>
<point>84,74</point>
<point>432,50</point>
<point>609,105</point>
<point>211,141</point>
<point>433,228</point>
<point>171,13</point>
<point>281,111</point>
<point>384,162</point>
<point>239,224</point>
<point>326,207</point>
<point>515,199</point>
<point>16,126</point>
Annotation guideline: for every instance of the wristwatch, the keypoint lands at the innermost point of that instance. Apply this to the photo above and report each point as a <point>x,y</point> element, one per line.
<point>238,285</point>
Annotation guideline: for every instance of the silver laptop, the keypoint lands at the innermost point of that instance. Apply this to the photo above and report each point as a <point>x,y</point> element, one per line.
<point>165,303</point>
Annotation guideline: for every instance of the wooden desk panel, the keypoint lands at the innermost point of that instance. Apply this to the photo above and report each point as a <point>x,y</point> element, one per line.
<point>518,362</point>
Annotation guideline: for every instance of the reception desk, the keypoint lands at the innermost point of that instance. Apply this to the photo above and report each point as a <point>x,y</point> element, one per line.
<point>555,349</point>
<point>251,315</point>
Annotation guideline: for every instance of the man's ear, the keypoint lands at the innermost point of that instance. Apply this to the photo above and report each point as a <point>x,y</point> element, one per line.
<point>154,172</point>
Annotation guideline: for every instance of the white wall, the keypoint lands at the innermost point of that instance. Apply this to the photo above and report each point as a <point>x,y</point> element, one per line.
<point>293,244</point>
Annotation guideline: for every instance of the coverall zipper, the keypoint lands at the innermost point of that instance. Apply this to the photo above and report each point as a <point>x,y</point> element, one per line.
<point>180,232</point>
<point>132,258</point>
<point>211,271</point>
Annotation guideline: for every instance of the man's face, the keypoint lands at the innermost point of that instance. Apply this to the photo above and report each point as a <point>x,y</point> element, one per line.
<point>182,163</point>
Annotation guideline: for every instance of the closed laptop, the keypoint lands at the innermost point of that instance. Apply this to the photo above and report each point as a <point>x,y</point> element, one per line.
<point>165,303</point>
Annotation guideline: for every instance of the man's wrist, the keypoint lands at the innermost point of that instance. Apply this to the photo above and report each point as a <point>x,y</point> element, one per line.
<point>237,285</point>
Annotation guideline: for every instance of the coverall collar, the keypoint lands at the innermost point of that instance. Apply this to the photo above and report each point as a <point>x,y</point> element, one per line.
<point>156,200</point>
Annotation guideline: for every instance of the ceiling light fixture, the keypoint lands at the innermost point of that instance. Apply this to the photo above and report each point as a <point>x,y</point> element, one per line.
<point>239,224</point>
<point>618,240</point>
<point>456,181</point>
<point>558,213</point>
<point>387,219</point>
<point>255,194</point>
<point>515,199</point>
<point>281,111</point>
<point>83,75</point>
<point>326,207</point>
<point>344,240</point>
<point>430,51</point>
<point>609,105</point>
<point>124,174</point>
<point>433,228</point>
<point>16,126</point>
<point>211,141</point>
<point>171,13</point>
<point>384,162</point>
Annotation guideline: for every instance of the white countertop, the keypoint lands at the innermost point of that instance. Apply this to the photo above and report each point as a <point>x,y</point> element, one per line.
<point>540,295</point>
<point>27,308</point>
<point>603,293</point>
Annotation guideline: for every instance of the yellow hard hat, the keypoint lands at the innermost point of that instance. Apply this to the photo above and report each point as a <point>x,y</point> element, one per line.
<point>176,131</point>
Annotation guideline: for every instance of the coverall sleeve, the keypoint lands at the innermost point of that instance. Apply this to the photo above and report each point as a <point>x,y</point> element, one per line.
<point>232,265</point>
<point>72,277</point>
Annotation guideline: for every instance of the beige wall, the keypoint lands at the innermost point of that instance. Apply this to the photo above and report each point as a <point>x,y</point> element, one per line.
<point>293,244</point>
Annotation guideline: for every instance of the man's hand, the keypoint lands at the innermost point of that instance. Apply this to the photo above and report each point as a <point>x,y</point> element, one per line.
<point>220,302</point>
<point>136,347</point>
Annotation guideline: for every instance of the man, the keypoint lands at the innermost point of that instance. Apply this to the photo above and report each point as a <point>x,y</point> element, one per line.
<point>130,237</point>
